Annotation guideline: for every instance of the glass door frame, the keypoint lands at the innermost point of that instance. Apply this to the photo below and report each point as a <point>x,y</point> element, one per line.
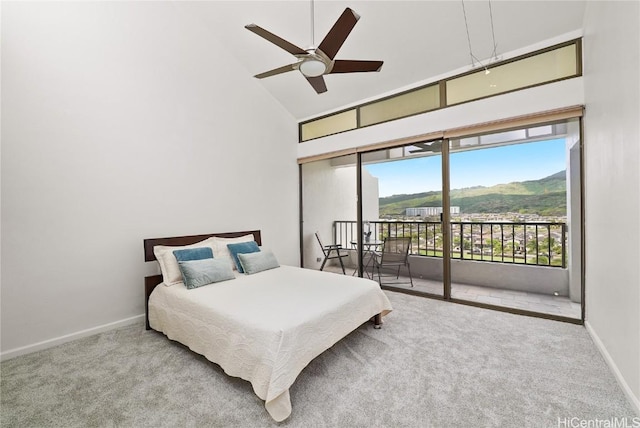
<point>446,221</point>
<point>359,215</point>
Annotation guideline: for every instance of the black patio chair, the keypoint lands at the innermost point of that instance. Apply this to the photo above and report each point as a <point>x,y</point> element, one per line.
<point>329,250</point>
<point>394,255</point>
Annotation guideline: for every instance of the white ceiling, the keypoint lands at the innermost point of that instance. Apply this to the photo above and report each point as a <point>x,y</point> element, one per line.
<point>417,40</point>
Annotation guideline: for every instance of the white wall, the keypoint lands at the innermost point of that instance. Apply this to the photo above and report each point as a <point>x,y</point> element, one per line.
<point>612,199</point>
<point>123,121</point>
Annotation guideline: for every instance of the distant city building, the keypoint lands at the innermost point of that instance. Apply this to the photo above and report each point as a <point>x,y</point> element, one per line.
<point>428,211</point>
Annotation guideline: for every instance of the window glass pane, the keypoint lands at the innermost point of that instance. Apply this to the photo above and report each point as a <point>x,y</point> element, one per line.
<point>329,125</point>
<point>540,130</point>
<point>509,137</point>
<point>541,68</point>
<point>413,102</point>
<point>501,137</point>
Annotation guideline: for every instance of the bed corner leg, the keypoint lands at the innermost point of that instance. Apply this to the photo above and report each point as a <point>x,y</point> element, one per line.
<point>377,321</point>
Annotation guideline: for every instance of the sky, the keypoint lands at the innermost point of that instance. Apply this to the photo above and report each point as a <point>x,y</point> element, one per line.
<point>484,167</point>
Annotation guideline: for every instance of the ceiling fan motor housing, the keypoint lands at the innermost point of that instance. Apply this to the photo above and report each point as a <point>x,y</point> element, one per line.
<point>315,63</point>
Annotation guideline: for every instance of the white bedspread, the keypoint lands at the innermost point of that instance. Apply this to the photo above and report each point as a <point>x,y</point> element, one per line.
<point>267,327</point>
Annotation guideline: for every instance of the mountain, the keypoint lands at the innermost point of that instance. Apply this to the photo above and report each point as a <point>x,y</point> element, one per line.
<point>546,196</point>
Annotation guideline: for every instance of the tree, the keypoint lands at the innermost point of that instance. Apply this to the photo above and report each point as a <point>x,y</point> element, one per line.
<point>496,244</point>
<point>551,242</point>
<point>508,248</point>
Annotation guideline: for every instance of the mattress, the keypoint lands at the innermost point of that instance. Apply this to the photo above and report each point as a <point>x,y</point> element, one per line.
<point>267,327</point>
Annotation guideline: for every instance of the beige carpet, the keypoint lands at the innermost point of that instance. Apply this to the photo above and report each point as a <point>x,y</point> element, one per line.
<point>432,364</point>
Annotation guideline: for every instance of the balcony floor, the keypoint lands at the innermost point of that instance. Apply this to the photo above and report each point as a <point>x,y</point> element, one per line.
<point>543,303</point>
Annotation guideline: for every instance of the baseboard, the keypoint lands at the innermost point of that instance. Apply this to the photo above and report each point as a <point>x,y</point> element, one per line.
<point>69,337</point>
<point>633,400</point>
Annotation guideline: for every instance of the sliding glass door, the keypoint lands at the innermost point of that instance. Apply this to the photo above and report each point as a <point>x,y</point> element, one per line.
<point>402,206</point>
<point>515,205</point>
<point>492,220</point>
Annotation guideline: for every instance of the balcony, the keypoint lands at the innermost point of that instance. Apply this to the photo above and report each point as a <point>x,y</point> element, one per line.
<point>515,265</point>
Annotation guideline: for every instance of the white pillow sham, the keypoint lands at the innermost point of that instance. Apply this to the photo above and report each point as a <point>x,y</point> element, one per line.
<point>169,265</point>
<point>221,251</point>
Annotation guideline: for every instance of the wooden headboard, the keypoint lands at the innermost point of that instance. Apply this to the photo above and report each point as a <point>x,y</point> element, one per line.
<point>150,282</point>
<point>192,239</point>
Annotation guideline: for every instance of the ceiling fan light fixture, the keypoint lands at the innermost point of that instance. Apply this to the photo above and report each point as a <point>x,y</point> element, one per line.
<point>313,67</point>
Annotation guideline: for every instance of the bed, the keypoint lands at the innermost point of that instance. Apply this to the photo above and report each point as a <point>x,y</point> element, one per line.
<point>264,327</point>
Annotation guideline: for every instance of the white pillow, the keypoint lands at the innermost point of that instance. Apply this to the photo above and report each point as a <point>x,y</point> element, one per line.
<point>169,265</point>
<point>221,251</point>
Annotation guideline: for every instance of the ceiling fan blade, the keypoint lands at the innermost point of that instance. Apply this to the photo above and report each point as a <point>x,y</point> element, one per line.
<point>355,66</point>
<point>434,146</point>
<point>338,34</point>
<point>279,70</point>
<point>317,83</point>
<point>276,40</point>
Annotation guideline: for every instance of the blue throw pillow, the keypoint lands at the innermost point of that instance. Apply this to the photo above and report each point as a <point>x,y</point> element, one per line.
<point>257,262</point>
<point>242,248</point>
<point>197,253</point>
<point>196,273</point>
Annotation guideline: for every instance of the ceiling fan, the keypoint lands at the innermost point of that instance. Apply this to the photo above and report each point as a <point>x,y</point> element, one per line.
<point>315,62</point>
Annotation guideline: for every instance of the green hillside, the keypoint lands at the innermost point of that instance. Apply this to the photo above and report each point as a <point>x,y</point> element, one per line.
<point>546,196</point>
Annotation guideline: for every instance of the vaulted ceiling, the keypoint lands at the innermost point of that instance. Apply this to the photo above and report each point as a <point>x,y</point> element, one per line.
<point>418,40</point>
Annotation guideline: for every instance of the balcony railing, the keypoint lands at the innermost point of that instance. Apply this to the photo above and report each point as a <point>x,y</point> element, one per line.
<point>539,243</point>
